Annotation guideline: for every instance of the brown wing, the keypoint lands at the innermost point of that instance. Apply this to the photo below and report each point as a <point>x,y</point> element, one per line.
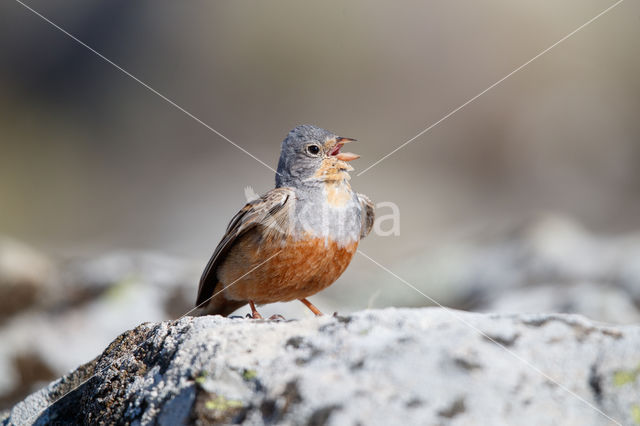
<point>368,215</point>
<point>270,211</point>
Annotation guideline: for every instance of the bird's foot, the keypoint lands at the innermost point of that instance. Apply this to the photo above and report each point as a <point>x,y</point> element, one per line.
<point>313,309</point>
<point>254,312</point>
<point>277,317</point>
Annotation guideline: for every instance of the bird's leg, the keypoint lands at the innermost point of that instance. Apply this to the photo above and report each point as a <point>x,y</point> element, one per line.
<point>309,305</point>
<point>254,312</point>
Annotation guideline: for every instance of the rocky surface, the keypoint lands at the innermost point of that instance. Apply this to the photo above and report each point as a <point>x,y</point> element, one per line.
<point>393,366</point>
<point>68,311</point>
<point>56,314</point>
<point>24,277</point>
<point>550,264</point>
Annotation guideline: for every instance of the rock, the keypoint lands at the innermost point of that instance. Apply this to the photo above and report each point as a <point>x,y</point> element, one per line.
<point>90,302</point>
<point>57,315</point>
<point>25,276</point>
<point>589,299</point>
<point>551,251</point>
<point>400,366</point>
<point>73,309</point>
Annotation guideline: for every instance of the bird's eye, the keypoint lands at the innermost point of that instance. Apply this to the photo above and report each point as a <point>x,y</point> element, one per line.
<point>313,149</point>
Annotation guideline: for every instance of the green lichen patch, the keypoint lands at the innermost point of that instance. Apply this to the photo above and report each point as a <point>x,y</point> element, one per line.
<point>624,377</point>
<point>211,408</point>
<point>249,374</point>
<point>120,289</point>
<point>635,413</point>
<point>220,403</point>
<point>200,379</point>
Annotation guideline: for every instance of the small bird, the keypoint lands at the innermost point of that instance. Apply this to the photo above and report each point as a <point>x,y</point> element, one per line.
<point>296,239</point>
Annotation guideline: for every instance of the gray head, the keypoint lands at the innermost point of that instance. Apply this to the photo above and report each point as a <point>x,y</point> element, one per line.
<point>310,155</point>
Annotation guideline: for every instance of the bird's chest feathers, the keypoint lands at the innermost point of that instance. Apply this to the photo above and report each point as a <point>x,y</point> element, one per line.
<point>338,193</point>
<point>330,212</point>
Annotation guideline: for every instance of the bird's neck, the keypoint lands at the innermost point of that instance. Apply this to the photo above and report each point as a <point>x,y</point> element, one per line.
<point>317,188</point>
<point>331,172</point>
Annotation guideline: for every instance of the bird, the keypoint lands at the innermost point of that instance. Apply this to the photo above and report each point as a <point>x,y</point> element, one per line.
<point>296,239</point>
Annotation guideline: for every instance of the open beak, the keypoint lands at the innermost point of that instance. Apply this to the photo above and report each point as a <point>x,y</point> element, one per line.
<point>343,156</point>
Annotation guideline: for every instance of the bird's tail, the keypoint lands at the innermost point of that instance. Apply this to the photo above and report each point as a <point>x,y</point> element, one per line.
<point>219,305</point>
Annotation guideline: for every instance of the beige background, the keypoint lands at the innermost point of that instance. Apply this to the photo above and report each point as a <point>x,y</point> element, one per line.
<point>92,161</point>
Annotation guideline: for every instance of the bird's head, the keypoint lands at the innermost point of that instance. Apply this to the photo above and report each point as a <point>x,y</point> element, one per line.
<point>311,154</point>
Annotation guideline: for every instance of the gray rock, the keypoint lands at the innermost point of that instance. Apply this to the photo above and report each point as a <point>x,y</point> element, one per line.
<point>550,251</point>
<point>25,277</point>
<point>590,299</point>
<point>393,366</point>
<point>77,311</point>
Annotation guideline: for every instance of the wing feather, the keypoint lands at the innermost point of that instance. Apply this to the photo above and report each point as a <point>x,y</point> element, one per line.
<point>270,211</point>
<point>368,215</point>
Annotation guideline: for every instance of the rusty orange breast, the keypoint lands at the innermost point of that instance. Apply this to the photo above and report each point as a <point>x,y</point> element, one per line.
<point>300,268</point>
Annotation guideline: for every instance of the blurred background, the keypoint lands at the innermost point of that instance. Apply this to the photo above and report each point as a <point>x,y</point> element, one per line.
<point>112,200</point>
